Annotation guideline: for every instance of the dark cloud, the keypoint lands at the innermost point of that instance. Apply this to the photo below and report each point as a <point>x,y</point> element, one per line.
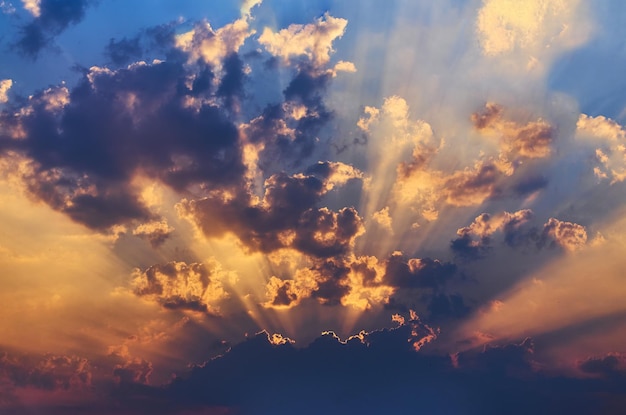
<point>508,360</point>
<point>134,371</point>
<point>291,139</point>
<point>467,247</point>
<point>613,365</point>
<point>444,306</point>
<point>231,85</point>
<point>383,371</point>
<point>124,51</point>
<point>403,272</point>
<point>55,16</point>
<point>475,240</point>
<point>117,125</point>
<point>50,372</point>
<point>377,372</point>
<point>285,217</point>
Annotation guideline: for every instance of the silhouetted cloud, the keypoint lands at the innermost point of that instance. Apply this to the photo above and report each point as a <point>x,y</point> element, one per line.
<point>124,51</point>
<point>403,272</point>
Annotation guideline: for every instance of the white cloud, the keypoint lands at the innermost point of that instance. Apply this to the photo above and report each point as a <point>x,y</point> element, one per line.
<point>213,46</point>
<point>610,140</point>
<point>312,40</point>
<point>5,85</point>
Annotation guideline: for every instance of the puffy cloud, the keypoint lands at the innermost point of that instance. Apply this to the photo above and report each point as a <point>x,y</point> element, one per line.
<point>600,127</point>
<point>326,282</point>
<point>403,272</point>
<point>569,236</point>
<point>611,152</point>
<point>213,46</point>
<point>531,140</point>
<point>473,186</point>
<point>313,41</point>
<point>5,85</point>
<point>87,145</point>
<point>474,240</point>
<point>177,285</point>
<point>334,173</point>
<point>285,217</point>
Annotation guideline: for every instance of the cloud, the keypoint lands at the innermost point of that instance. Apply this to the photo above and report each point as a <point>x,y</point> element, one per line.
<point>33,6</point>
<point>52,17</point>
<point>155,232</point>
<point>181,286</point>
<point>133,371</point>
<point>373,372</point>
<point>123,51</point>
<point>87,146</point>
<point>248,5</point>
<point>383,219</point>
<point>613,364</point>
<point>417,273</point>
<point>285,217</point>
<point>325,281</point>
<point>610,153</point>
<point>50,372</point>
<point>530,140</point>
<point>473,186</point>
<point>313,41</point>
<point>213,46</point>
<point>474,240</point>
<point>422,185</point>
<point>505,26</point>
<point>5,85</point>
<point>361,282</point>
<point>569,236</point>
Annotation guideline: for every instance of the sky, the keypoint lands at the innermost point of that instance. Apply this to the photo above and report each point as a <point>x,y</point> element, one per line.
<point>327,206</point>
